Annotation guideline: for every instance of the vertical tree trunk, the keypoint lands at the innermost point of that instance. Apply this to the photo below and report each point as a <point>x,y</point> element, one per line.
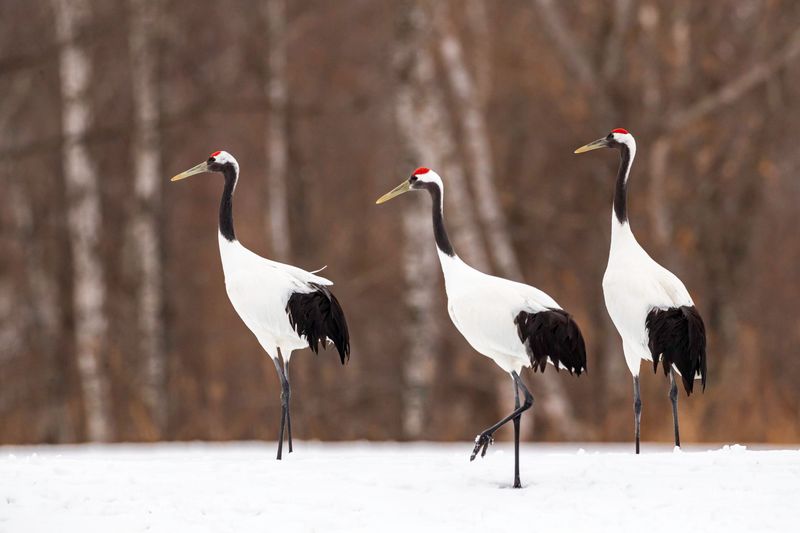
<point>477,18</point>
<point>556,403</point>
<point>478,151</point>
<point>83,219</point>
<point>422,328</point>
<point>146,156</point>
<point>424,125</point>
<point>40,294</point>
<point>277,144</point>
<point>614,49</point>
<point>427,129</point>
<point>415,72</point>
<point>30,310</point>
<point>659,212</point>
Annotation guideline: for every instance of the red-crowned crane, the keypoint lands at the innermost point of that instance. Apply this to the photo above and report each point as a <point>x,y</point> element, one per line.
<point>285,307</point>
<point>650,307</point>
<point>513,324</point>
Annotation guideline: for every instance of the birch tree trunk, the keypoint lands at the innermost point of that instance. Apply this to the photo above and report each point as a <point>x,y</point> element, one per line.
<point>83,219</point>
<point>146,156</point>
<point>478,151</point>
<point>277,144</point>
<point>422,329</point>
<point>555,403</point>
<point>429,140</point>
<point>425,124</point>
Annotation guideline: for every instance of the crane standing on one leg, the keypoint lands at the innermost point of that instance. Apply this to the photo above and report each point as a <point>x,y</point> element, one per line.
<point>650,307</point>
<point>513,324</point>
<point>285,307</point>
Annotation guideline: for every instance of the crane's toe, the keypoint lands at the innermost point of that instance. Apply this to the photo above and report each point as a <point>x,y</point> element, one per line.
<point>482,442</point>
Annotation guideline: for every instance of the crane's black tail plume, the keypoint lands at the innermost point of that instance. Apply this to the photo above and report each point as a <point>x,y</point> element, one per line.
<point>318,317</point>
<point>554,335</point>
<point>678,337</point>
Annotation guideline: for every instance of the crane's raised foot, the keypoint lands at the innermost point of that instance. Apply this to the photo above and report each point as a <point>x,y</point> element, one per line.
<point>482,442</point>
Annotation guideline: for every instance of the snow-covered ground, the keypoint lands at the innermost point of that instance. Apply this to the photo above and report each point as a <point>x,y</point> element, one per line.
<point>396,487</point>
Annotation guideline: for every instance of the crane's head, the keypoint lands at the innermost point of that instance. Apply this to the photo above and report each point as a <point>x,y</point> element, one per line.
<point>617,138</point>
<point>219,161</point>
<point>421,179</point>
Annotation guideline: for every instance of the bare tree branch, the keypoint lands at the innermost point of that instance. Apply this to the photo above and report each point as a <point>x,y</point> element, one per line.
<point>567,43</point>
<point>735,89</point>
<point>577,61</point>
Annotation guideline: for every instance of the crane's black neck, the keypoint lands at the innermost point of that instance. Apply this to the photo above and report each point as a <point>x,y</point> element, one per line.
<point>226,204</point>
<point>439,231</point>
<point>621,188</point>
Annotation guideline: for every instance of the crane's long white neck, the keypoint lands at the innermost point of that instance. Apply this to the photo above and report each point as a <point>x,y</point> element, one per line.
<point>231,173</point>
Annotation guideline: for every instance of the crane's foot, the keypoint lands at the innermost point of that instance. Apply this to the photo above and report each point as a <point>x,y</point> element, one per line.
<point>517,483</point>
<point>482,442</point>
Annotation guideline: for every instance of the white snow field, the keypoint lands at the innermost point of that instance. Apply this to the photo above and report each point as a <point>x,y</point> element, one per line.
<point>396,487</point>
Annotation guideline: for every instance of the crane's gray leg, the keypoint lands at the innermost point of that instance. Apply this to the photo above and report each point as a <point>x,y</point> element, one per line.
<point>284,386</point>
<point>517,483</point>
<point>637,410</point>
<point>484,439</point>
<point>673,396</point>
<point>288,407</point>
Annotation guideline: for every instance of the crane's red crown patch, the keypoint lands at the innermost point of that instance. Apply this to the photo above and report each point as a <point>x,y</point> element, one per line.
<point>215,154</point>
<point>620,130</point>
<point>421,170</point>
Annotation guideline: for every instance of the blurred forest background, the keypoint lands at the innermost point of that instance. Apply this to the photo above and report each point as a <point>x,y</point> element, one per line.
<point>114,322</point>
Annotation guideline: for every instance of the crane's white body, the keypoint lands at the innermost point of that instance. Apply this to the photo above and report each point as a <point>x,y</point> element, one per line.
<point>259,290</point>
<point>285,307</point>
<point>633,285</point>
<point>483,308</point>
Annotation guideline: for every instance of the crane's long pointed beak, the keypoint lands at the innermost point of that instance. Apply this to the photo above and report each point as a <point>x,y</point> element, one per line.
<point>397,191</point>
<point>198,169</point>
<point>594,145</point>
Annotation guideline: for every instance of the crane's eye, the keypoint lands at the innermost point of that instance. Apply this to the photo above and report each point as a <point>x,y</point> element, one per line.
<point>412,179</point>
<point>210,159</point>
